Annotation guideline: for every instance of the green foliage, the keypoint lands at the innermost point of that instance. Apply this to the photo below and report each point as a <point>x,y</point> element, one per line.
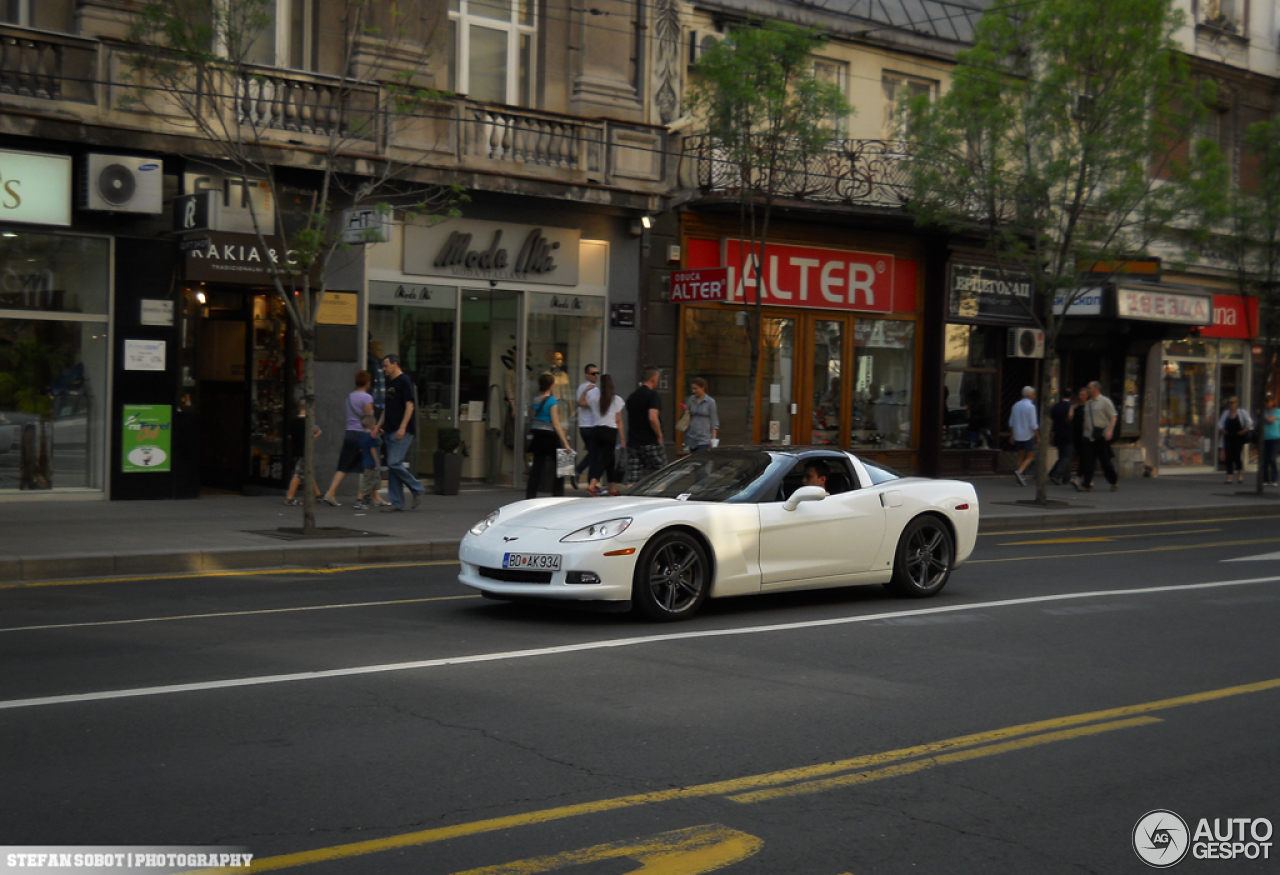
<point>448,439</point>
<point>1063,138</point>
<point>756,96</point>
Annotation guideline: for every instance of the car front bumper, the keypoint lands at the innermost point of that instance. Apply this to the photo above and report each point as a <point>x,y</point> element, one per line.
<point>612,562</point>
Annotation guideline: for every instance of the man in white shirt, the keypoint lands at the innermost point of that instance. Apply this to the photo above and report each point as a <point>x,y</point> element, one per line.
<point>1099,429</point>
<point>586,421</point>
<point>1025,424</point>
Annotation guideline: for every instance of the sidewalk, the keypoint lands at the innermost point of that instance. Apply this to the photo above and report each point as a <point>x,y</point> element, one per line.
<point>47,540</point>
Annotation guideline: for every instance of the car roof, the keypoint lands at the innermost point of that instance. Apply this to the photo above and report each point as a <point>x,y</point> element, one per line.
<point>788,450</point>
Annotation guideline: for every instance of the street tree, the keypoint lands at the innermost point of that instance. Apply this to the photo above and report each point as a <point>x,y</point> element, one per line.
<point>767,116</point>
<point>205,68</point>
<point>1062,143</point>
<point>1244,218</point>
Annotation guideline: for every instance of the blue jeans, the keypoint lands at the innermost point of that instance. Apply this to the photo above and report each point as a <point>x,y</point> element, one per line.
<point>1062,468</point>
<point>399,474</point>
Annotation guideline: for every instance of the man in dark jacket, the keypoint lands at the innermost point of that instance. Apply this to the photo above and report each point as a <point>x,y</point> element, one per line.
<point>1061,416</point>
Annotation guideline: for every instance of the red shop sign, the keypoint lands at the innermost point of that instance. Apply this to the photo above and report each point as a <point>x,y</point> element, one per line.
<point>706,284</point>
<point>1231,319</point>
<point>813,277</point>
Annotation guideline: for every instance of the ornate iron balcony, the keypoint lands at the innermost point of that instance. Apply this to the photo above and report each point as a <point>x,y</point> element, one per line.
<point>852,172</point>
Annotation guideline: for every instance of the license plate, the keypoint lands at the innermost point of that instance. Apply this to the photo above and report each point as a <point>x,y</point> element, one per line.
<point>534,561</point>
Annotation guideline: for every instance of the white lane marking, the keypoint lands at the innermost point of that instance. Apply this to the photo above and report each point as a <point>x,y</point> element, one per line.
<point>445,598</point>
<point>1260,557</point>
<point>263,680</point>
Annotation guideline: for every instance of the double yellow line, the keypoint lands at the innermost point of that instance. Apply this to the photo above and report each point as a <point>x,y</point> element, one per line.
<point>800,781</point>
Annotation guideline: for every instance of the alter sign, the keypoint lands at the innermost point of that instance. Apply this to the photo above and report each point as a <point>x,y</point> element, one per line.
<point>707,284</point>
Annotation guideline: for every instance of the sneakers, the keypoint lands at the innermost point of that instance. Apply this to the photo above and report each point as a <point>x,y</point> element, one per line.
<point>417,499</point>
<point>393,509</point>
<point>382,502</point>
<point>1017,475</point>
<point>293,502</point>
<point>330,500</point>
<point>360,504</point>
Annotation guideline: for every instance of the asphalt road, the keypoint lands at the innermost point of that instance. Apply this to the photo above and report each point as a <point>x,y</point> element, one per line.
<point>385,720</point>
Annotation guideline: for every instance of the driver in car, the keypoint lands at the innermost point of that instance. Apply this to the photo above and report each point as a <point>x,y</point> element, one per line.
<point>815,473</point>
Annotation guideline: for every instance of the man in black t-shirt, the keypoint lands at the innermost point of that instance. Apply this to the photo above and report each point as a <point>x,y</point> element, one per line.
<point>645,450</point>
<point>398,424</point>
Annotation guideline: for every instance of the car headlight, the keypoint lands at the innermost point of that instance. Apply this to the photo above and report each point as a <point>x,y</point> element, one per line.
<point>479,527</point>
<point>598,531</point>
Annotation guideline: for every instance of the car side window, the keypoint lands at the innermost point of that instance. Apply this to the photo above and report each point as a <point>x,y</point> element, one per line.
<point>791,481</point>
<point>840,478</point>
<point>880,473</point>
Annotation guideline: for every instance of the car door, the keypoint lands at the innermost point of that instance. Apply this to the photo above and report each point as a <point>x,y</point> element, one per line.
<point>835,537</point>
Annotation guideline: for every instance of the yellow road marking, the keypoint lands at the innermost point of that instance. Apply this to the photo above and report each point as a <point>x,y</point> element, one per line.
<point>1041,558</point>
<point>742,785</point>
<point>1116,525</point>
<point>1106,538</point>
<point>1055,541</point>
<point>691,851</point>
<point>445,598</point>
<point>191,575</point>
<point>907,768</point>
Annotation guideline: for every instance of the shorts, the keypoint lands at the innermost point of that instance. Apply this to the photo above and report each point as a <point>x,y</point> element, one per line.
<point>1025,446</point>
<point>298,465</point>
<point>350,457</point>
<point>644,459</point>
<point>370,481</point>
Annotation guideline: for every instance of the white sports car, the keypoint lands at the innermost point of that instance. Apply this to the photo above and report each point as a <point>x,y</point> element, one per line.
<point>728,522</point>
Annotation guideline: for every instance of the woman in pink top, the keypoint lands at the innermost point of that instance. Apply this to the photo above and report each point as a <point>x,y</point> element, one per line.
<point>359,403</point>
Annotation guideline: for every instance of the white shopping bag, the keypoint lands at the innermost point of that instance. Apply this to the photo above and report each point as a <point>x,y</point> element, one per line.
<point>564,463</point>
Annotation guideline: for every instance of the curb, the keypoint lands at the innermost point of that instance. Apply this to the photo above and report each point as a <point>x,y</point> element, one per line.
<point>73,566</point>
<point>81,566</point>
<point>1007,522</point>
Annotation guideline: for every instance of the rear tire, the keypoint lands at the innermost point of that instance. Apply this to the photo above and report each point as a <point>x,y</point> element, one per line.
<point>672,578</point>
<point>923,561</point>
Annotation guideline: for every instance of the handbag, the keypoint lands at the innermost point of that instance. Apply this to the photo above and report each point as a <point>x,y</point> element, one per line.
<point>618,475</point>
<point>682,424</point>
<point>564,462</point>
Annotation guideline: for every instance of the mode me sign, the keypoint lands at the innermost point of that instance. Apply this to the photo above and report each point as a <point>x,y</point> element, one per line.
<point>708,284</point>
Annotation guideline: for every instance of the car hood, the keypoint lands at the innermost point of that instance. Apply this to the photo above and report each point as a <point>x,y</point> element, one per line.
<point>569,514</point>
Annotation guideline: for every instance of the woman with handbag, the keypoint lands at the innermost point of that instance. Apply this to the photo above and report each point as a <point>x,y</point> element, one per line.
<point>548,436</point>
<point>702,426</point>
<point>1234,428</point>
<point>606,408</point>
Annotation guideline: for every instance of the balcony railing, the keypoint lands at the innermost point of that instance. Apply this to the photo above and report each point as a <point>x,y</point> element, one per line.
<point>305,103</point>
<point>503,133</point>
<point>48,66</point>
<point>852,172</point>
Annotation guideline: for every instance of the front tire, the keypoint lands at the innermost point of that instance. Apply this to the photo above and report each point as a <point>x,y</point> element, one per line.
<point>672,578</point>
<point>923,561</point>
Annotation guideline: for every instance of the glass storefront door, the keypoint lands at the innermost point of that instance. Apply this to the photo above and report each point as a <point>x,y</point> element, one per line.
<point>489,383</point>
<point>830,403</point>
<point>777,379</point>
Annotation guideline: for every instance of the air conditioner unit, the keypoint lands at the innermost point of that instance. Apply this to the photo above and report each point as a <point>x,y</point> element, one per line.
<point>700,40</point>
<point>1026,343</point>
<point>122,184</point>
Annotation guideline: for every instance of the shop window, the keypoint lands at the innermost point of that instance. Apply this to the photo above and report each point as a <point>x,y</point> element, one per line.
<point>884,377</point>
<point>493,50</point>
<point>1187,421</point>
<point>715,345</point>
<point>971,405</point>
<point>52,404</point>
<point>565,334</point>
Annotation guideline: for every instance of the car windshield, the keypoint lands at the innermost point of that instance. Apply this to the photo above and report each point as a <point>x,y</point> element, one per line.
<point>707,476</point>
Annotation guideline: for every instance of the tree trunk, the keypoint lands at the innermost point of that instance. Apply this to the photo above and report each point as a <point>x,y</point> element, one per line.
<point>308,452</point>
<point>1046,398</point>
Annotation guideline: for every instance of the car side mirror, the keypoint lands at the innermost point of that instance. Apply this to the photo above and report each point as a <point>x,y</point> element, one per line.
<point>804,493</point>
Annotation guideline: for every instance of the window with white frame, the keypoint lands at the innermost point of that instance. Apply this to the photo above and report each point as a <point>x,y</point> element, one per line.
<point>17,12</point>
<point>1226,15</point>
<point>289,39</point>
<point>896,87</point>
<point>493,49</point>
<point>834,73</point>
